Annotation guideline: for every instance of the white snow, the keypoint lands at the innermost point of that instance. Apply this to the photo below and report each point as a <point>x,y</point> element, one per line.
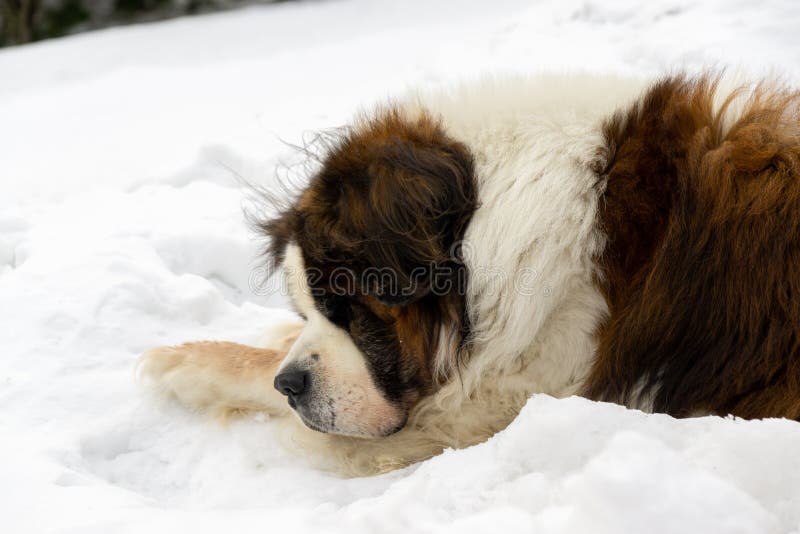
<point>121,153</point>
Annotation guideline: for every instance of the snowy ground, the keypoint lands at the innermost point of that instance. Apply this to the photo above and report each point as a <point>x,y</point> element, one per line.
<point>121,228</point>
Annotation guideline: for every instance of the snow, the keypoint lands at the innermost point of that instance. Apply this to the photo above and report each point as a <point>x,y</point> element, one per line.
<point>121,228</point>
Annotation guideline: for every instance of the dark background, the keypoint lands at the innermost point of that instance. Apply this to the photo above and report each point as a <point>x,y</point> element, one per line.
<point>25,21</point>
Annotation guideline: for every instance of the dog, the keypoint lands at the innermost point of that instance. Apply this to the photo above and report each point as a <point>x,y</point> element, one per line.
<point>459,250</point>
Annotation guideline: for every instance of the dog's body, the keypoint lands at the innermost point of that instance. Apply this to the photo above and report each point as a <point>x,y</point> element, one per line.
<point>460,251</point>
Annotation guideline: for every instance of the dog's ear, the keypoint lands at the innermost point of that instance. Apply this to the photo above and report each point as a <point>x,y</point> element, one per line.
<point>421,198</point>
<point>388,205</point>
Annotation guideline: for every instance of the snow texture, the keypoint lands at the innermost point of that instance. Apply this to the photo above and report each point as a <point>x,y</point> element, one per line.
<point>121,228</point>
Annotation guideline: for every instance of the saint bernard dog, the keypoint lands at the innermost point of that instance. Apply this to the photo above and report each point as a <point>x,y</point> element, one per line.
<point>457,251</point>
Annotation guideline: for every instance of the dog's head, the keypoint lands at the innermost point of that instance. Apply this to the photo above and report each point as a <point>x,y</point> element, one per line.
<point>370,254</point>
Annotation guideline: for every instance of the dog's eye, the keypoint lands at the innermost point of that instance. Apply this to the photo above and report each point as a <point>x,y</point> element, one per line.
<point>337,309</point>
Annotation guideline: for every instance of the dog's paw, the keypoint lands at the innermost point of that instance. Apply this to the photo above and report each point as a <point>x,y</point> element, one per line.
<point>179,373</point>
<point>216,377</point>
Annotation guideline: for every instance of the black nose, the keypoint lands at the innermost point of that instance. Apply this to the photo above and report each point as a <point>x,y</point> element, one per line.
<point>292,382</point>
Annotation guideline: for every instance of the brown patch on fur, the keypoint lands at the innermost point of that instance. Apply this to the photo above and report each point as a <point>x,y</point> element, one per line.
<point>702,268</point>
<point>411,325</point>
<point>393,197</point>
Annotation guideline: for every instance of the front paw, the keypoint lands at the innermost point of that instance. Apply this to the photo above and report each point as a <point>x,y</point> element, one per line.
<point>218,377</point>
<point>175,372</point>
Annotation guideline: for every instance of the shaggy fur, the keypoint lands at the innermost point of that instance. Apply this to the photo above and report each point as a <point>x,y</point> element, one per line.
<point>702,210</point>
<point>559,235</point>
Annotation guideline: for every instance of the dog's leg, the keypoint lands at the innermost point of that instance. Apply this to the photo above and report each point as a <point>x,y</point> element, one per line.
<point>219,377</point>
<point>225,379</point>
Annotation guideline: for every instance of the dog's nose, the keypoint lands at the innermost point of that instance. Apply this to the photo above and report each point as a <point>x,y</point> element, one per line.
<point>292,382</point>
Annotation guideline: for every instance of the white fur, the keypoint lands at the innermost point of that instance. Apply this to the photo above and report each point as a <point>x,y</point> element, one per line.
<point>530,247</point>
<point>342,384</point>
<point>530,250</point>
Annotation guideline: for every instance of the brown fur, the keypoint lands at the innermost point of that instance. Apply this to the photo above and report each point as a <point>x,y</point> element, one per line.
<point>702,268</point>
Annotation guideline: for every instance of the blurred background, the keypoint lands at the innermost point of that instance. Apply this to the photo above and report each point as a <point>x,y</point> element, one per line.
<point>24,21</point>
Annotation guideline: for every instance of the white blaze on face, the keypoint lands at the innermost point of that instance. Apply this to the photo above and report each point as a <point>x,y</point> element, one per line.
<point>343,397</point>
